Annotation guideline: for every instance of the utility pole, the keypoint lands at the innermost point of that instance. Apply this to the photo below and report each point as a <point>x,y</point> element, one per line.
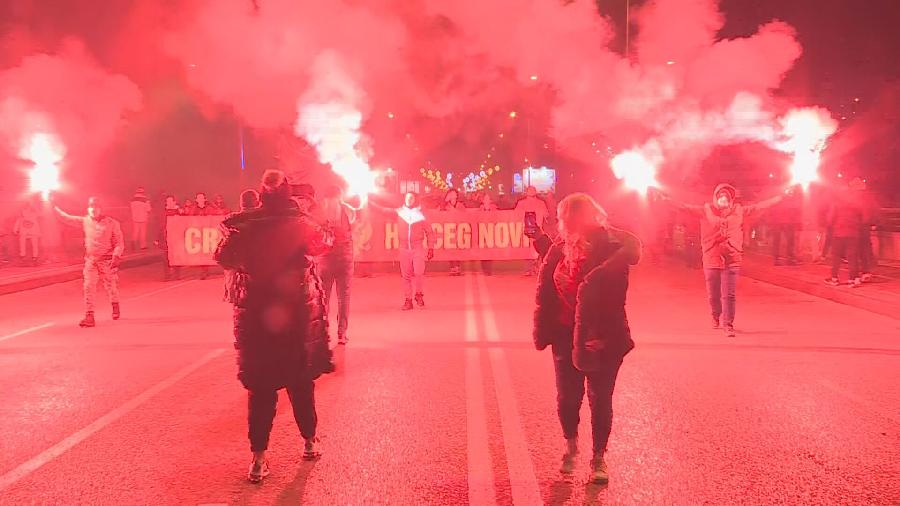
<point>627,28</point>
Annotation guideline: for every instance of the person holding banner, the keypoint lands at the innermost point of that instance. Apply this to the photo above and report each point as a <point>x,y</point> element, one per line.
<point>451,202</point>
<point>580,314</point>
<point>274,312</point>
<point>487,204</point>
<point>103,249</point>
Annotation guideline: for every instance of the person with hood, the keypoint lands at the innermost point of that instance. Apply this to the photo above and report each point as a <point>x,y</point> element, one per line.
<point>580,314</point>
<point>336,265</point>
<point>846,219</point>
<point>722,244</point>
<point>451,202</point>
<point>276,308</point>
<point>103,249</point>
<point>140,215</point>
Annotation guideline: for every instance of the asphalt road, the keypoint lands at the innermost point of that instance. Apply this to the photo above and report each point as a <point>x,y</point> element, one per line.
<point>451,404</point>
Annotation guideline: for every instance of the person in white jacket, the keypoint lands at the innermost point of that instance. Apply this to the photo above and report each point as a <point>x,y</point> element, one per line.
<point>140,215</point>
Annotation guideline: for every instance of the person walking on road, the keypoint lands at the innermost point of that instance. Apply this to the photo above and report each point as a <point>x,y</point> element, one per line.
<point>103,249</point>
<point>581,315</point>
<point>274,313</point>
<point>336,266</point>
<point>140,215</point>
<point>416,244</point>
<point>722,241</point>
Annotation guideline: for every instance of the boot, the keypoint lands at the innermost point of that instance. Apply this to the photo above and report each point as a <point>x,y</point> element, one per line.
<point>116,313</point>
<point>420,299</point>
<point>88,320</point>
<point>407,305</point>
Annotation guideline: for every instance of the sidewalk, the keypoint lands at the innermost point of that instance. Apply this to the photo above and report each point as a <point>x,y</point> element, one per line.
<point>17,279</point>
<point>881,295</point>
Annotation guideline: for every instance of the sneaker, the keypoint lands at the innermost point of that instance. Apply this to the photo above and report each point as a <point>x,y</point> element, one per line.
<point>832,281</point>
<point>88,320</point>
<point>729,331</point>
<point>257,471</point>
<point>599,474</point>
<point>342,339</point>
<point>407,305</point>
<point>715,323</point>
<point>568,458</point>
<point>420,299</point>
<point>856,283</point>
<point>866,277</point>
<point>116,311</point>
<point>310,451</point>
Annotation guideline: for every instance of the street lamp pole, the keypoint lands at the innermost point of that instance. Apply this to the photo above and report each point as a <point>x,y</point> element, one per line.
<point>627,28</point>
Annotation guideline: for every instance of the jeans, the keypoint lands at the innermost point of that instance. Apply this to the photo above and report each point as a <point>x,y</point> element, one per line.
<point>261,413</point>
<point>338,273</point>
<point>721,287</point>
<point>849,247</point>
<point>866,257</point>
<point>570,389</point>
<point>412,270</point>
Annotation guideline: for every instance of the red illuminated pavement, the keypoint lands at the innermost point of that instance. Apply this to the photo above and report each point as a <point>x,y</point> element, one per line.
<point>451,405</point>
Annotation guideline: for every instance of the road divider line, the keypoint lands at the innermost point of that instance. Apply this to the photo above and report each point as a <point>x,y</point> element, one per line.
<point>524,484</point>
<point>159,290</point>
<point>26,331</point>
<point>71,441</point>
<point>478,456</point>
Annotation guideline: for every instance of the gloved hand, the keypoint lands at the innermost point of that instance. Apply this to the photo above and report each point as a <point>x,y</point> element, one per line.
<point>430,254</point>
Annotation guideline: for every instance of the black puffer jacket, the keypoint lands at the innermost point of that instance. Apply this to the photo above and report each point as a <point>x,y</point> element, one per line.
<point>600,333</point>
<point>279,309</point>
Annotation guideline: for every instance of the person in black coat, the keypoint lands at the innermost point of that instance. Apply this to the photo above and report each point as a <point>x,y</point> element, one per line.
<point>277,310</point>
<point>580,314</point>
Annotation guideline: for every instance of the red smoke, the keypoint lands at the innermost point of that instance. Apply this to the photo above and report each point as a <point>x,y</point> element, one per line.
<point>66,95</point>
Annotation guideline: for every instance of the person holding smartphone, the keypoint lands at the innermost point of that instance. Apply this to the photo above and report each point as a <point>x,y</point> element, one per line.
<point>580,315</point>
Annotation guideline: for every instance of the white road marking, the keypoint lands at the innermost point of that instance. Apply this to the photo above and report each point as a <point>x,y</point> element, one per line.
<point>525,489</point>
<point>160,290</point>
<point>26,331</point>
<point>481,472</point>
<point>68,443</point>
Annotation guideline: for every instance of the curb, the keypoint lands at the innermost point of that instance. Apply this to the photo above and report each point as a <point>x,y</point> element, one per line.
<point>53,276</point>
<point>856,297</point>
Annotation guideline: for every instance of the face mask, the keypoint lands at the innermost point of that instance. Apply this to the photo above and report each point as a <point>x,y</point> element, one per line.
<point>94,212</point>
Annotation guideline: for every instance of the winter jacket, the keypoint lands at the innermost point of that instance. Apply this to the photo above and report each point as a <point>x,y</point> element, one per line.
<point>600,331</point>
<point>846,215</point>
<point>414,229</point>
<point>102,238</point>
<point>722,230</point>
<point>140,208</point>
<point>279,317</point>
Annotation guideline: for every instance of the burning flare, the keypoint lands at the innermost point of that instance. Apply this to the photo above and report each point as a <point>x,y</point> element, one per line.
<point>637,167</point>
<point>804,133</point>
<point>45,151</point>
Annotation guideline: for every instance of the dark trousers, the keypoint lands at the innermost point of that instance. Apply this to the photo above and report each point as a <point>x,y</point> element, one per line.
<point>849,247</point>
<point>338,273</point>
<point>261,413</point>
<point>721,288</point>
<point>866,257</point>
<point>487,266</point>
<point>788,232</point>
<point>570,389</point>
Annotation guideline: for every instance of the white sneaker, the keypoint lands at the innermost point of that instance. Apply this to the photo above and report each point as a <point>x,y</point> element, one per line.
<point>310,451</point>
<point>568,459</point>
<point>599,474</point>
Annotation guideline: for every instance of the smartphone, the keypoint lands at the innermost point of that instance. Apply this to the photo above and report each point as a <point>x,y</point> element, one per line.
<point>531,224</point>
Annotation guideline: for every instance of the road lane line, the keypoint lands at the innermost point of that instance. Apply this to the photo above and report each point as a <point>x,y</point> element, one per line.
<point>525,489</point>
<point>68,443</point>
<point>481,471</point>
<point>159,290</point>
<point>26,331</point>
